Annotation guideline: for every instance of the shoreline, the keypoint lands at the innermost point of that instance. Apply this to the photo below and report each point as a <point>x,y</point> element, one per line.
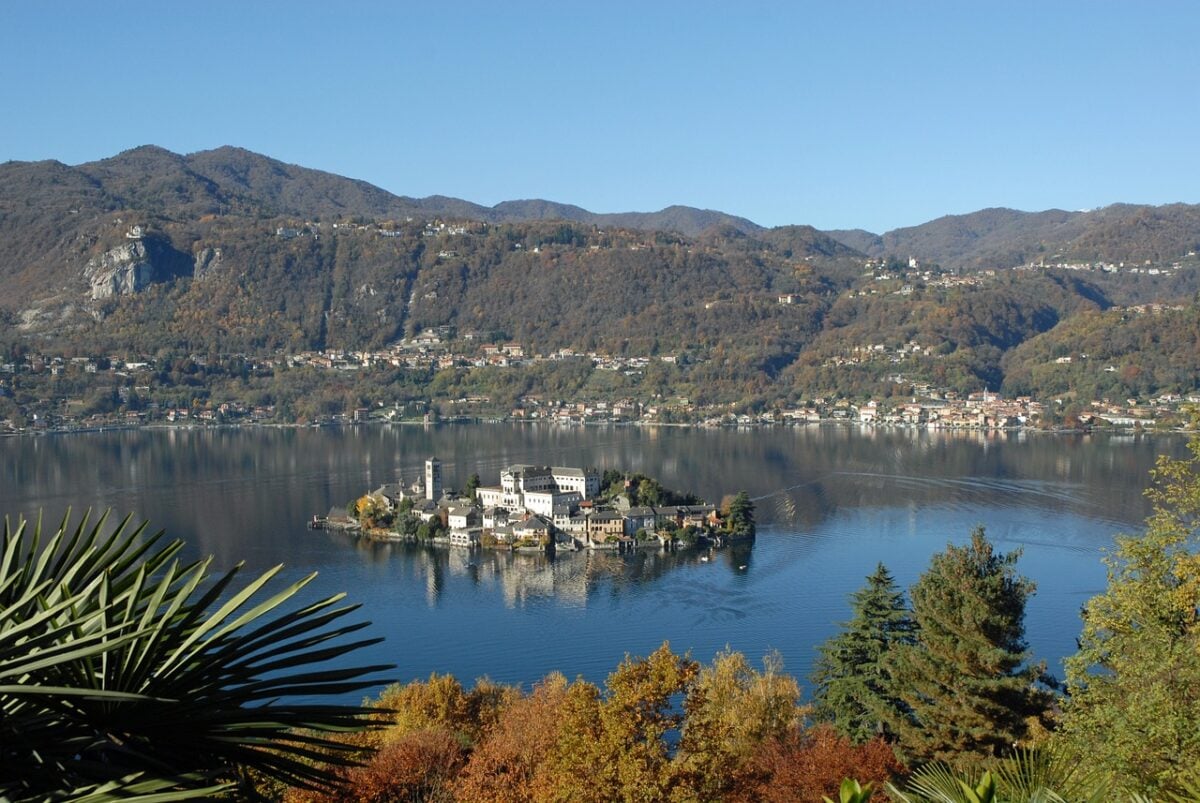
<point>483,421</point>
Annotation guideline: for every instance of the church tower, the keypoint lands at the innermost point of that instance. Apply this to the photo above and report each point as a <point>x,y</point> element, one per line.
<point>433,479</point>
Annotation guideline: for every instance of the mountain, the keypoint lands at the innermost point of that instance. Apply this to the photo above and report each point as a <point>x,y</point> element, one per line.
<point>683,219</point>
<point>1003,238</point>
<point>232,250</point>
<point>229,252</point>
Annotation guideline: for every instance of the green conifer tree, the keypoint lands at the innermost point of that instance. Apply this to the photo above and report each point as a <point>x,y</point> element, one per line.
<point>965,680</point>
<point>741,514</point>
<point>853,687</point>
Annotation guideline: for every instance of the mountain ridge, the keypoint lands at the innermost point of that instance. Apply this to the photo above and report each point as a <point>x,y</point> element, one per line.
<point>232,173</point>
<point>231,179</point>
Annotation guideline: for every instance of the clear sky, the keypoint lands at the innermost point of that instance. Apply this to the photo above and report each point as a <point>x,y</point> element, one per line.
<point>838,114</point>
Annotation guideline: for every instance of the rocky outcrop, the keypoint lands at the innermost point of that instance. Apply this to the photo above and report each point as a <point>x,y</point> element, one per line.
<point>208,261</point>
<point>120,271</point>
<point>134,265</point>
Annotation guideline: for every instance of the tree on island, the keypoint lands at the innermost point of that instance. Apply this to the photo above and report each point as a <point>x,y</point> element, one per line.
<point>739,516</point>
<point>472,486</point>
<point>371,512</point>
<point>641,490</point>
<point>434,528</point>
<point>853,688</point>
<point>967,688</point>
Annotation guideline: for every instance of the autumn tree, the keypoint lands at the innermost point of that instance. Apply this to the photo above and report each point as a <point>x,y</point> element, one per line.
<point>371,512</point>
<point>442,702</point>
<point>507,766</point>
<point>1134,707</point>
<point>418,765</point>
<point>808,764</point>
<point>615,747</point>
<point>638,715</point>
<point>965,681</point>
<point>730,711</point>
<point>854,690</point>
<point>577,768</point>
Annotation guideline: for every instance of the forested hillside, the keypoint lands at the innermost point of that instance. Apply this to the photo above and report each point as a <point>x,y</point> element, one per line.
<point>226,252</point>
<point>1130,353</point>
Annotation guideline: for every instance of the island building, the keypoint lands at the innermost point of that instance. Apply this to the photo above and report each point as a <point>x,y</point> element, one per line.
<point>543,490</point>
<point>433,479</point>
<point>539,504</point>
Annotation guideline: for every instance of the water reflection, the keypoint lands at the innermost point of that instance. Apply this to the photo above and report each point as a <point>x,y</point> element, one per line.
<point>523,579</point>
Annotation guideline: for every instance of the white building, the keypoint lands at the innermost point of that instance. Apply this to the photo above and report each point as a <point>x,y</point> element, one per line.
<point>461,518</point>
<point>585,482</point>
<point>467,538</point>
<point>543,490</point>
<point>549,503</point>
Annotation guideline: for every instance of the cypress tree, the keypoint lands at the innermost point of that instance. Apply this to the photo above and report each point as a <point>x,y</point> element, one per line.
<point>965,680</point>
<point>853,687</point>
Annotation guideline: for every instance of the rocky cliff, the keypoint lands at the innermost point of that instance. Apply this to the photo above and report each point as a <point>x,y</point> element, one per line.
<point>134,265</point>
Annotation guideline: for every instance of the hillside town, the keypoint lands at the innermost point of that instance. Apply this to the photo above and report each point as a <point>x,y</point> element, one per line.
<point>543,508</point>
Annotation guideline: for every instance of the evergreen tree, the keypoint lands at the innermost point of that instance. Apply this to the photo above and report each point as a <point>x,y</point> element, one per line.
<point>1134,708</point>
<point>741,514</point>
<point>965,680</point>
<point>853,687</point>
<point>473,484</point>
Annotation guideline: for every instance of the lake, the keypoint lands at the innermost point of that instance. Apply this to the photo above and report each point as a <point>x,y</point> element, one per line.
<point>832,501</point>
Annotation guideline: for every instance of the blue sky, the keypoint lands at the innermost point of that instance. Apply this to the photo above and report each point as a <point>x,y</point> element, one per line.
<point>838,115</point>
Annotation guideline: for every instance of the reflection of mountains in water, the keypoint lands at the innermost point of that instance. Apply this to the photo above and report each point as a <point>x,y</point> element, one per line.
<point>808,503</point>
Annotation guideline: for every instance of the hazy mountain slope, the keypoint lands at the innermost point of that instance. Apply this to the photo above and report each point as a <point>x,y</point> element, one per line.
<point>1003,238</point>
<point>987,238</point>
<point>858,239</point>
<point>538,209</point>
<point>801,241</point>
<point>227,178</point>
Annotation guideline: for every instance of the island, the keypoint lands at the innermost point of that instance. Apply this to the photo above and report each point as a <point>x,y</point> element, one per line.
<point>538,508</point>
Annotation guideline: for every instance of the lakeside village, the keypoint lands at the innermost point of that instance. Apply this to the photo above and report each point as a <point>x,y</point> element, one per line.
<point>544,509</point>
<point>44,392</point>
<point>136,395</point>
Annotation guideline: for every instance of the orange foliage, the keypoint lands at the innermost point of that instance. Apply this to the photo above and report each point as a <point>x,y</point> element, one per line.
<point>504,767</point>
<point>421,765</point>
<point>805,765</point>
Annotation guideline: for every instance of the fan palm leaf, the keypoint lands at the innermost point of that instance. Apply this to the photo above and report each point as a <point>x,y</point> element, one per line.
<point>124,672</point>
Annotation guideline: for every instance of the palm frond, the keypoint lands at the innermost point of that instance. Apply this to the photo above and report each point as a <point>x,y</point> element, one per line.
<point>128,674</point>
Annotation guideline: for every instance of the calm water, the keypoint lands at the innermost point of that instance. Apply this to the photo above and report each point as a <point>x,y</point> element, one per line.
<point>832,501</point>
